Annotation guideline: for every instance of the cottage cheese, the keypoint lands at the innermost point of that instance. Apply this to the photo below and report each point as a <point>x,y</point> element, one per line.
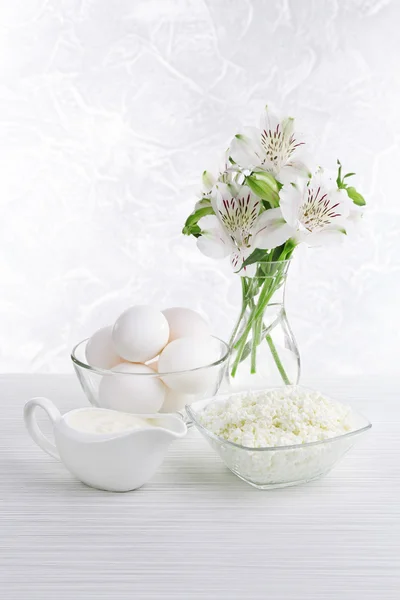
<point>279,417</point>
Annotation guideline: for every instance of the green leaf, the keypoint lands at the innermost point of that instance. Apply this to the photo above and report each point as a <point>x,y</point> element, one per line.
<point>196,231</point>
<point>191,227</point>
<point>266,204</point>
<point>258,255</point>
<point>355,196</point>
<point>265,186</point>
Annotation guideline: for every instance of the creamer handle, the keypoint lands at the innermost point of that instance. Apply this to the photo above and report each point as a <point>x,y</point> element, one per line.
<point>32,425</point>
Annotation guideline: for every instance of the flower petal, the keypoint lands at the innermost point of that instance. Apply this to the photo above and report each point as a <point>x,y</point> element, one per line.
<point>326,237</point>
<point>292,171</point>
<point>346,203</point>
<point>245,148</point>
<point>269,120</point>
<point>287,126</point>
<point>342,203</point>
<point>272,230</point>
<point>291,197</point>
<point>213,245</point>
<point>213,242</point>
<point>208,223</point>
<point>237,259</point>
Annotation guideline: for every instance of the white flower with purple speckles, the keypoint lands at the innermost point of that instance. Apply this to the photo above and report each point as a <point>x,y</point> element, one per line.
<point>273,147</point>
<point>238,226</point>
<point>316,211</point>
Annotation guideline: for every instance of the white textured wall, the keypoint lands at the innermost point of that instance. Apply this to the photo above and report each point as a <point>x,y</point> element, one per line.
<point>110,110</point>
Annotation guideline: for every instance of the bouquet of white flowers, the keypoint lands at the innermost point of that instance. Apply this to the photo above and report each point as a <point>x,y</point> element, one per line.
<point>266,200</point>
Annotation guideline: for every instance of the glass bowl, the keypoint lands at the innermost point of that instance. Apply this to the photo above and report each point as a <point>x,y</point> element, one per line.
<point>181,387</point>
<point>279,466</point>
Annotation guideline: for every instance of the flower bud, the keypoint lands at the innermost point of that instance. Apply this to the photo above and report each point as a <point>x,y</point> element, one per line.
<point>208,181</point>
<point>264,185</point>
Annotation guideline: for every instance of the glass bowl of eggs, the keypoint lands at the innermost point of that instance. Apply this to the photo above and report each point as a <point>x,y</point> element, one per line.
<point>151,361</point>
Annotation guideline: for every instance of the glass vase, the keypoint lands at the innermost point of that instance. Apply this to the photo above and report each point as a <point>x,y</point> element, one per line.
<point>264,352</point>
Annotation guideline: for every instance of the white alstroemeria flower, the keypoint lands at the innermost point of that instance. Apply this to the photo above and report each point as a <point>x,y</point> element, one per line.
<point>238,227</point>
<point>316,212</point>
<point>273,147</point>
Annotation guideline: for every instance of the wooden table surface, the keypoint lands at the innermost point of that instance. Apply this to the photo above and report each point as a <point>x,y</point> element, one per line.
<point>195,530</point>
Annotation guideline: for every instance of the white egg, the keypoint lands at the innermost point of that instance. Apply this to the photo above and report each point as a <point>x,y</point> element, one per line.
<point>189,353</point>
<point>100,350</point>
<point>130,390</point>
<point>184,322</point>
<point>175,401</point>
<point>140,333</point>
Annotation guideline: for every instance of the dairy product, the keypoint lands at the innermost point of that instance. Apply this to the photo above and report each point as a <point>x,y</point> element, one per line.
<point>102,421</point>
<point>279,417</point>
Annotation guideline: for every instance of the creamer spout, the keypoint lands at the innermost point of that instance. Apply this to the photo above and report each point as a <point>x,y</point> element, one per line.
<point>171,424</point>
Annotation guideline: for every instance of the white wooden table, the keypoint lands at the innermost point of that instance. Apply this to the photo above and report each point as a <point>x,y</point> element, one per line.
<point>196,531</point>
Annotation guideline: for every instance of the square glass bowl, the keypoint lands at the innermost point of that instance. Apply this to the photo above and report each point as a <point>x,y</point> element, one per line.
<point>279,466</point>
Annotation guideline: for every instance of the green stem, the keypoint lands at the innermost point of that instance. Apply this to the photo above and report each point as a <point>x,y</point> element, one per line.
<point>240,345</point>
<point>265,296</point>
<point>244,306</point>
<point>256,341</point>
<point>277,360</point>
<point>272,283</point>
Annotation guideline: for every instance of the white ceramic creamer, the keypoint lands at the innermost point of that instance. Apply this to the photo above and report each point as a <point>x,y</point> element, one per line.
<point>106,449</point>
